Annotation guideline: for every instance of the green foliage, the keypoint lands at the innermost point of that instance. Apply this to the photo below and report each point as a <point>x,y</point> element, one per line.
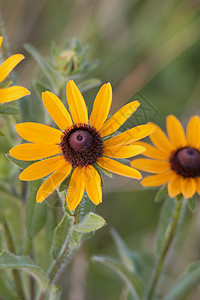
<point>9,109</point>
<point>20,163</point>
<point>192,202</point>
<point>161,194</point>
<point>90,223</point>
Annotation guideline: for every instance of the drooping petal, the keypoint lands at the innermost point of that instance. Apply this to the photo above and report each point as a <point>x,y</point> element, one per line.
<point>158,179</point>
<point>12,93</point>
<point>1,40</point>
<point>119,118</point>
<point>197,179</point>
<point>76,189</point>
<point>9,64</point>
<point>101,106</point>
<point>57,110</point>
<point>53,181</point>
<point>130,136</point>
<point>76,103</point>
<point>123,151</point>
<point>188,187</point>
<point>193,132</point>
<point>38,133</point>
<point>92,181</point>
<point>160,140</point>
<point>175,132</point>
<point>41,168</point>
<point>174,185</point>
<point>118,168</point>
<point>34,151</point>
<point>150,165</point>
<point>153,152</point>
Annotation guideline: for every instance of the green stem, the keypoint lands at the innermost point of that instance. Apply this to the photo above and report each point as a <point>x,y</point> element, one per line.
<point>168,242</point>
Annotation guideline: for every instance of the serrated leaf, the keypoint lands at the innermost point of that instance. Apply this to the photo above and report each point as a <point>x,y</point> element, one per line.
<point>20,163</point>
<point>132,260</point>
<point>90,223</point>
<point>11,261</point>
<point>89,84</point>
<point>164,221</point>
<point>134,283</point>
<point>9,109</point>
<point>53,76</point>
<point>61,235</point>
<point>162,194</point>
<point>185,282</point>
<point>192,203</point>
<point>36,213</point>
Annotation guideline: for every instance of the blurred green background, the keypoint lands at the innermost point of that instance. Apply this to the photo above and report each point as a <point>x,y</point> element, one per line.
<point>151,47</point>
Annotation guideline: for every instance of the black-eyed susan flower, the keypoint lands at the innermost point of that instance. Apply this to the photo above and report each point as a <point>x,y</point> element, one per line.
<point>14,92</point>
<point>175,159</point>
<point>79,145</point>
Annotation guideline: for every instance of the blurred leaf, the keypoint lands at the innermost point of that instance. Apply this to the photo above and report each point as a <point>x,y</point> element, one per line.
<point>185,282</point>
<point>20,163</point>
<point>55,292</point>
<point>11,261</point>
<point>61,235</point>
<point>40,87</point>
<point>1,133</point>
<point>89,84</point>
<point>36,213</point>
<point>161,194</point>
<point>192,203</point>
<point>10,109</point>
<point>7,292</point>
<point>164,221</point>
<point>132,260</point>
<point>53,76</point>
<point>90,223</point>
<point>132,280</point>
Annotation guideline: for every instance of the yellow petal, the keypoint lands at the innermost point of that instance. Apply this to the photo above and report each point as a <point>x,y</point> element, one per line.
<point>197,179</point>
<point>188,187</point>
<point>130,136</point>
<point>76,103</point>
<point>193,132</point>
<point>101,106</point>
<point>174,186</point>
<point>12,93</point>
<point>8,65</point>
<point>150,165</point>
<point>153,152</point>
<point>118,168</point>
<point>160,140</point>
<point>57,110</point>
<point>34,151</point>
<point>1,40</point>
<point>119,118</point>
<point>53,181</point>
<point>93,184</point>
<point>157,179</point>
<point>175,132</point>
<point>76,189</point>
<point>41,168</point>
<point>38,133</point>
<point>123,151</point>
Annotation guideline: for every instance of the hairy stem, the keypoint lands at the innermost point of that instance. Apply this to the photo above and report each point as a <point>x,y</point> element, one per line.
<point>168,242</point>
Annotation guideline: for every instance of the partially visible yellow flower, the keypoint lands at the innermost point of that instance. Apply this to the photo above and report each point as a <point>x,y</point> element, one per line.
<point>175,159</point>
<point>79,145</point>
<point>14,92</point>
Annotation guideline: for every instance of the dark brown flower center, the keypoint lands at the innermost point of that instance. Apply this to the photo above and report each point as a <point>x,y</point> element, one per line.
<point>81,145</point>
<point>186,162</point>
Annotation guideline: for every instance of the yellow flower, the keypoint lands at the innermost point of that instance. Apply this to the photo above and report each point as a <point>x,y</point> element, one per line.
<point>79,145</point>
<point>175,159</point>
<point>14,92</point>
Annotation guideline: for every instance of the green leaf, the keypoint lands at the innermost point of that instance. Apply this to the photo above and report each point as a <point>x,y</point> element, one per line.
<point>53,76</point>
<point>84,208</point>
<point>164,221</point>
<point>161,194</point>
<point>54,292</point>
<point>20,163</point>
<point>90,223</point>
<point>7,292</point>
<point>11,261</point>
<point>10,109</point>
<point>132,260</point>
<point>61,235</point>
<point>40,87</point>
<point>1,133</point>
<point>89,84</point>
<point>192,203</point>
<point>65,184</point>
<point>134,283</point>
<point>185,282</point>
<point>36,213</point>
